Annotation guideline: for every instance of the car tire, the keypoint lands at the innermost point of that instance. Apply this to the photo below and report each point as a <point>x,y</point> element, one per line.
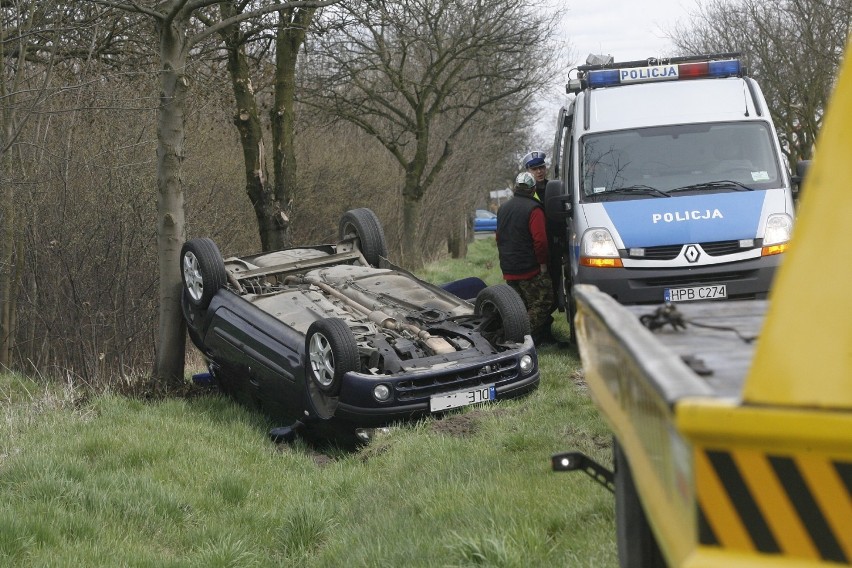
<point>331,352</point>
<point>508,320</point>
<point>637,546</point>
<point>570,304</point>
<point>202,271</point>
<point>571,314</point>
<point>363,225</point>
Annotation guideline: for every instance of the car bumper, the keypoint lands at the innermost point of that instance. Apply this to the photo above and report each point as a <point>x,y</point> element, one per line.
<point>745,280</point>
<point>412,391</point>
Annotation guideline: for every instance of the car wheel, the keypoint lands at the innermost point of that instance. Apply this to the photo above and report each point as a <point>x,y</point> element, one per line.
<point>332,352</point>
<point>507,318</point>
<point>637,546</point>
<point>363,225</point>
<point>202,271</point>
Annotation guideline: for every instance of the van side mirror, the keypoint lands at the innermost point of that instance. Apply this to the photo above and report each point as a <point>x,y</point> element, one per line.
<point>798,180</point>
<point>557,203</point>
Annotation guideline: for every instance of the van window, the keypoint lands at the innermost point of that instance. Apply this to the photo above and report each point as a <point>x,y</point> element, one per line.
<point>669,157</point>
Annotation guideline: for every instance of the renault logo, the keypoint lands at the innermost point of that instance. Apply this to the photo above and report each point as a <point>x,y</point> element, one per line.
<point>692,253</point>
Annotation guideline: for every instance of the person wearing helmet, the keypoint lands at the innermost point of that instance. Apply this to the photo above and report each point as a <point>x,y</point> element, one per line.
<point>535,163</point>
<point>524,255</point>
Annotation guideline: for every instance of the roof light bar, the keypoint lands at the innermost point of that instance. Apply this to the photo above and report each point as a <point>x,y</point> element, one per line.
<point>653,73</point>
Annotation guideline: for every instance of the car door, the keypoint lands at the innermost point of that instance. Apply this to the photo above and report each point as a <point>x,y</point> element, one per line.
<point>260,355</point>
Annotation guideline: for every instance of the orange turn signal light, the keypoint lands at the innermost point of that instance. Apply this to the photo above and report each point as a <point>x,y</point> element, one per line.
<point>774,249</point>
<point>601,262</point>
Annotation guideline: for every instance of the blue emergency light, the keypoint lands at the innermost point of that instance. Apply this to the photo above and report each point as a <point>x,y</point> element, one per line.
<point>724,68</point>
<point>604,78</point>
<point>653,73</point>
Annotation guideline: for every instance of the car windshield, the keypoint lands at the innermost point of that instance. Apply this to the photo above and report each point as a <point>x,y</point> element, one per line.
<point>713,157</point>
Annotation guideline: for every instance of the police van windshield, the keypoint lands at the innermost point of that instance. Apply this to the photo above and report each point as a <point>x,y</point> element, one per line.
<point>684,157</point>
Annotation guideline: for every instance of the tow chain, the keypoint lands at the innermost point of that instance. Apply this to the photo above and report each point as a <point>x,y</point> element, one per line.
<point>668,314</point>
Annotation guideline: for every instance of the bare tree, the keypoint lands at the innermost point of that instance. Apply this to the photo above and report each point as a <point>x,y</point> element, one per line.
<point>342,167</point>
<point>29,35</point>
<point>53,54</point>
<point>793,48</point>
<point>179,32</point>
<point>402,68</point>
<point>272,199</point>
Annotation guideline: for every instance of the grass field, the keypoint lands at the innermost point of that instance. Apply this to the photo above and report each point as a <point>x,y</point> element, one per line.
<point>106,480</point>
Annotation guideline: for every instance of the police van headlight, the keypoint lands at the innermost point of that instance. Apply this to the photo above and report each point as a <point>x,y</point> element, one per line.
<point>597,249</point>
<point>779,228</point>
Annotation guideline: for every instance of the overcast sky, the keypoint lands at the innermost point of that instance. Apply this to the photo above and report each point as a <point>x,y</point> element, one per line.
<point>628,30</point>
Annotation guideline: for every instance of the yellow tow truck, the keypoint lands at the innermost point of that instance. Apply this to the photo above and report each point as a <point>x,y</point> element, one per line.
<point>732,421</point>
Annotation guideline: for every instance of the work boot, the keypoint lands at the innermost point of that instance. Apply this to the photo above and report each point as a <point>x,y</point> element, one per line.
<point>546,339</point>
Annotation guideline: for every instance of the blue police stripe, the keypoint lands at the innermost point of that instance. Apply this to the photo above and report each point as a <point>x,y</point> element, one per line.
<point>687,219</point>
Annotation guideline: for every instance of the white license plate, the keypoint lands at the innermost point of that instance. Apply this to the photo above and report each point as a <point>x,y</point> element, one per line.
<point>716,292</point>
<point>441,402</point>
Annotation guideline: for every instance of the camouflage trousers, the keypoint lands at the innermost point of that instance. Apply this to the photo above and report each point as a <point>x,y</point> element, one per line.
<point>537,294</point>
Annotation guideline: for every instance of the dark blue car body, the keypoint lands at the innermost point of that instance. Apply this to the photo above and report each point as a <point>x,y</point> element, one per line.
<point>260,362</point>
<point>334,340</point>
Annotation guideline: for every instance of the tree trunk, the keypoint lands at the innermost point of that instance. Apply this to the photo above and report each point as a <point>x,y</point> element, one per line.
<point>171,229</point>
<point>292,26</point>
<point>412,254</point>
<point>7,217</point>
<point>7,257</point>
<point>412,198</point>
<point>271,224</point>
<point>457,241</point>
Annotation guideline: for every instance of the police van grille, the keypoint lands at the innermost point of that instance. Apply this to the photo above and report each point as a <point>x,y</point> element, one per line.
<point>669,281</point>
<point>720,248</point>
<point>670,252</point>
<point>666,252</point>
<point>470,377</point>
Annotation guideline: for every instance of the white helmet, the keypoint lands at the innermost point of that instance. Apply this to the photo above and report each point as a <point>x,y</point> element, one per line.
<point>524,182</point>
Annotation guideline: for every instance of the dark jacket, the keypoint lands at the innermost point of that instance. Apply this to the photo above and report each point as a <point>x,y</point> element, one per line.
<point>514,239</point>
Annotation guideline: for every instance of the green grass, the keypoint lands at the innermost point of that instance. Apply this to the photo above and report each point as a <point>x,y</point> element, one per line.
<point>481,261</point>
<point>113,481</point>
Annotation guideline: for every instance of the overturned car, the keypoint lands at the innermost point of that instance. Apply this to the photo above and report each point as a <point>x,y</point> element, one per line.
<point>333,340</point>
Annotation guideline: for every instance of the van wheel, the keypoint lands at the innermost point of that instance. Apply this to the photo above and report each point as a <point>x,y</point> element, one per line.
<point>637,546</point>
<point>571,313</point>
<point>570,305</point>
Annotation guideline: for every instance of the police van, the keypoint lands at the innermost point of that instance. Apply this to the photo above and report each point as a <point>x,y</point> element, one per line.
<point>671,182</point>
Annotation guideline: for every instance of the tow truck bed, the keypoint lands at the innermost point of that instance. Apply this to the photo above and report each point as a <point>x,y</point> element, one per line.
<point>717,342</point>
<point>704,476</point>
